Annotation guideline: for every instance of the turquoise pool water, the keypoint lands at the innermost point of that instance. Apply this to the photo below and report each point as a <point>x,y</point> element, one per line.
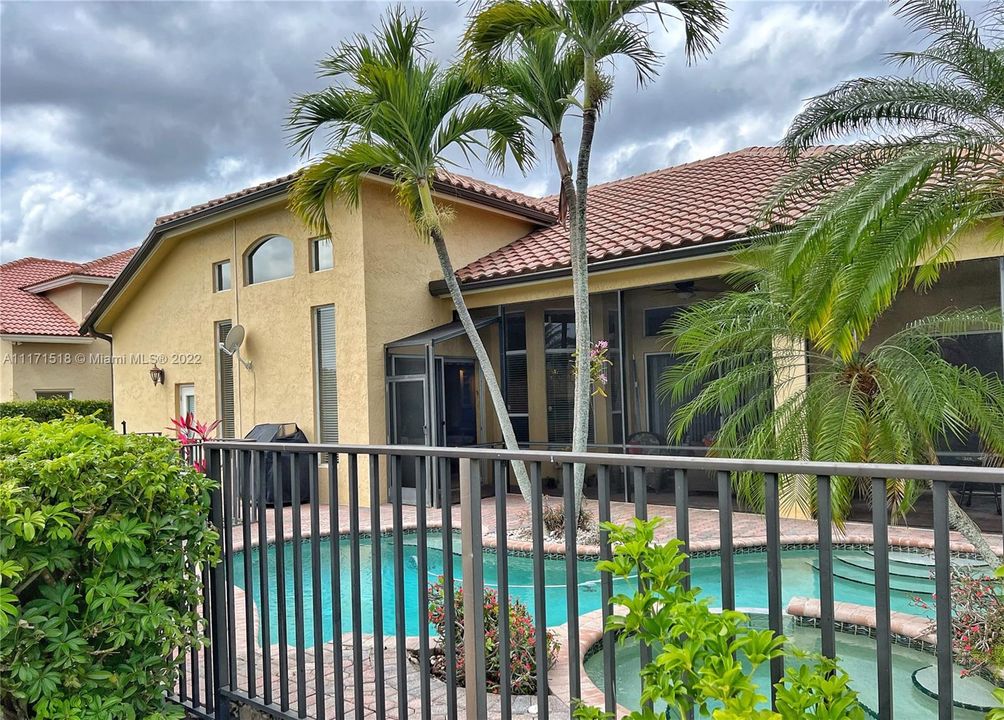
<point>857,656</point>
<point>798,574</point>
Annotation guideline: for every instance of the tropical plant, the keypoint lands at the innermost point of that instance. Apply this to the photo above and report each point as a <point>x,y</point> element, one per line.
<point>191,434</point>
<point>101,536</point>
<point>394,111</point>
<point>891,400</point>
<point>923,165</point>
<point>553,56</point>
<point>522,647</point>
<point>704,662</point>
<point>977,604</point>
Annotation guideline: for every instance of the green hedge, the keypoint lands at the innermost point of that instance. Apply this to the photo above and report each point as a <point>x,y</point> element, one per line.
<point>56,408</point>
<point>98,535</point>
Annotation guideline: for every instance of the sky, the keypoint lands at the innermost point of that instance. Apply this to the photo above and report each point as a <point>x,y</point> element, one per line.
<point>114,113</point>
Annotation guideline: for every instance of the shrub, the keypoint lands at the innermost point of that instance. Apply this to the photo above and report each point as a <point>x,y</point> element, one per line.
<point>48,409</point>
<point>553,517</point>
<point>522,653</point>
<point>977,621</point>
<point>704,661</point>
<point>100,538</point>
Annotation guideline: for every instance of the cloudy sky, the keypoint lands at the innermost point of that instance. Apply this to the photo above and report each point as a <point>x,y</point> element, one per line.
<point>114,113</point>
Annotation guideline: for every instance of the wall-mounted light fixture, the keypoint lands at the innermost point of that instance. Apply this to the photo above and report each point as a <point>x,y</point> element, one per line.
<point>157,375</point>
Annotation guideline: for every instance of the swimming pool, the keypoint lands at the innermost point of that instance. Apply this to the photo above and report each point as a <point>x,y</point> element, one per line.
<point>857,656</point>
<point>798,573</point>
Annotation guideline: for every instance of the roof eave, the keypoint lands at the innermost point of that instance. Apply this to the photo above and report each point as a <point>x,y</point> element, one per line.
<point>437,288</point>
<point>153,238</point>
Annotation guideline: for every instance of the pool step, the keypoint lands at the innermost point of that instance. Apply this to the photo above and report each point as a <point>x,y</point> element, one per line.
<point>926,559</point>
<point>868,564</point>
<point>867,578</point>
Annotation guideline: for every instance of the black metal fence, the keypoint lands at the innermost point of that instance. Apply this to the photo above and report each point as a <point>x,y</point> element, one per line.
<point>311,615</point>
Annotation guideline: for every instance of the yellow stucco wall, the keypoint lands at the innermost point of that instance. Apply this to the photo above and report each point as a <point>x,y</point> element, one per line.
<point>81,368</point>
<point>378,286</point>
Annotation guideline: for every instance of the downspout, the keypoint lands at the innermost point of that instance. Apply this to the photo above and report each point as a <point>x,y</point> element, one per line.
<point>111,361</point>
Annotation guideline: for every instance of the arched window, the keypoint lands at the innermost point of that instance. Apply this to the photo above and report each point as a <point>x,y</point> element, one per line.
<point>270,259</point>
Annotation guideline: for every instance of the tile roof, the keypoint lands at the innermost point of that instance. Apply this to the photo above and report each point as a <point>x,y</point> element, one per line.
<point>449,181</point>
<point>705,201</point>
<point>27,313</point>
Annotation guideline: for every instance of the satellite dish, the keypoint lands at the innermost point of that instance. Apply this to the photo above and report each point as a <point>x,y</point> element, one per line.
<point>234,339</point>
<point>231,345</point>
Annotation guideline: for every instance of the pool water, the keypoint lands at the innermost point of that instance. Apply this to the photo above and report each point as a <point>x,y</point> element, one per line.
<point>856,654</point>
<point>798,574</point>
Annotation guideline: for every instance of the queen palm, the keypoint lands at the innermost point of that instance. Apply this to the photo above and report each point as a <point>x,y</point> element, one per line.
<point>394,111</point>
<point>888,400</point>
<point>553,56</point>
<point>924,162</point>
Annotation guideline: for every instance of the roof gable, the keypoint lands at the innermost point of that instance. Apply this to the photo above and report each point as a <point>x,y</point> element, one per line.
<point>23,312</point>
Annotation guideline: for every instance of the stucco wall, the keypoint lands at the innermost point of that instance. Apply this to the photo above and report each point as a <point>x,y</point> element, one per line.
<point>80,368</point>
<point>379,287</point>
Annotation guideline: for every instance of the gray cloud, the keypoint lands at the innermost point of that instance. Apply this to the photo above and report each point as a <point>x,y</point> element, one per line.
<point>114,113</point>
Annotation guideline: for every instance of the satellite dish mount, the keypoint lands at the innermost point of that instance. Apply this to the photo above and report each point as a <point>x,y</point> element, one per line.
<point>231,345</point>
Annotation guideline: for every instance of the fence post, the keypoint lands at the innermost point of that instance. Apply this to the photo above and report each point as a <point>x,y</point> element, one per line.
<point>218,591</point>
<point>473,584</point>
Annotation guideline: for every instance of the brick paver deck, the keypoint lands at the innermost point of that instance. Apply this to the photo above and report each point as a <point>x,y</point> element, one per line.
<point>749,530</point>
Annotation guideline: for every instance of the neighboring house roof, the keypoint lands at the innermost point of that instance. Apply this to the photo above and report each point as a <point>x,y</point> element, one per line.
<point>23,312</point>
<point>711,200</point>
<point>446,183</point>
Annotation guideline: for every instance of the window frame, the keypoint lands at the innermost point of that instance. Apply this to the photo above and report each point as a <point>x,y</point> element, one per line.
<point>218,276</point>
<point>676,310</point>
<point>315,244</point>
<point>515,353</point>
<point>258,245</point>
<point>316,361</point>
<point>53,394</point>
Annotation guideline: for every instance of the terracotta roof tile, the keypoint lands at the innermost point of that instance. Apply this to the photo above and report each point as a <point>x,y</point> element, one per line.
<point>26,313</point>
<point>705,201</point>
<point>544,206</point>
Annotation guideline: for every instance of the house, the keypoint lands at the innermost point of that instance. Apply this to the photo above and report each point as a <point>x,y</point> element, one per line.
<point>353,338</point>
<point>42,303</point>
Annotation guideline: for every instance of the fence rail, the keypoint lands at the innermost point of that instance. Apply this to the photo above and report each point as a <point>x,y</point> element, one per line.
<point>279,600</point>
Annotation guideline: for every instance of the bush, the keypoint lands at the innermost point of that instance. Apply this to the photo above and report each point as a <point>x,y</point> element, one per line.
<point>977,621</point>
<point>99,535</point>
<point>522,653</point>
<point>705,661</point>
<point>56,408</point>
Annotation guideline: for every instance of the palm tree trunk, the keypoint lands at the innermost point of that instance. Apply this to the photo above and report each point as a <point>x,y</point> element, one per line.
<point>491,382</point>
<point>960,521</point>
<point>580,285</point>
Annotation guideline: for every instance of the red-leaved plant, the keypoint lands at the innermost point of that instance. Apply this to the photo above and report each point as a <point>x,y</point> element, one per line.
<point>191,433</point>
<point>977,621</point>
<point>522,653</point>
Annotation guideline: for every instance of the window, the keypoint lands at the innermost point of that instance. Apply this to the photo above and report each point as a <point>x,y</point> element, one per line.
<point>322,254</point>
<point>270,259</point>
<point>615,397</point>
<point>221,276</point>
<point>49,394</point>
<point>700,432</point>
<point>224,381</point>
<point>656,318</point>
<point>559,343</point>
<point>327,378</point>
<point>517,388</point>
<point>186,400</point>
<point>982,351</point>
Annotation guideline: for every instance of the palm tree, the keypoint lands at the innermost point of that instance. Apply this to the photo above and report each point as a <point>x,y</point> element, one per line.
<point>926,160</point>
<point>888,400</point>
<point>395,111</point>
<point>590,33</point>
